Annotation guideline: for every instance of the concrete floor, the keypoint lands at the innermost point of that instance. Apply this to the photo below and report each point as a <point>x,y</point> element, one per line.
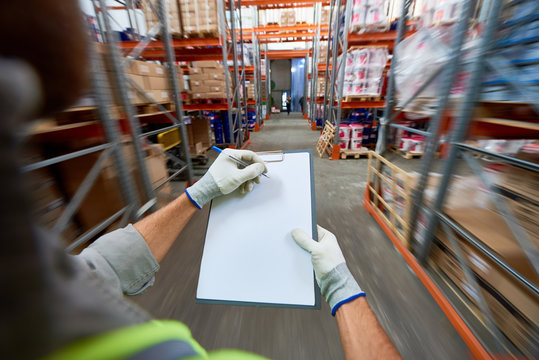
<point>407,312</point>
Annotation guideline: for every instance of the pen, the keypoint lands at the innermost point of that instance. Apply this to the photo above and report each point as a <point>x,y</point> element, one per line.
<point>241,162</point>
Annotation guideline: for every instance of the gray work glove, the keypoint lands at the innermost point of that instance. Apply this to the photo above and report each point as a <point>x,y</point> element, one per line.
<point>337,284</point>
<point>224,176</point>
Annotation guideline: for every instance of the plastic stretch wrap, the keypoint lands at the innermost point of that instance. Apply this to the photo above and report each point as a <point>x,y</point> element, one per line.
<point>418,58</point>
<point>364,70</point>
<point>369,15</point>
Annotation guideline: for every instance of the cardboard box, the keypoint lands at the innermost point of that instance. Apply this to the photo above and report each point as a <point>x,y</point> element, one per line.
<point>157,70</point>
<point>136,98</point>
<point>516,327</point>
<point>199,131</point>
<point>208,64</point>
<point>196,83</point>
<point>200,89</point>
<point>197,95</point>
<point>173,15</point>
<point>216,95</point>
<point>198,77</point>
<point>158,83</point>
<point>140,81</point>
<point>160,96</point>
<point>137,67</point>
<point>216,88</point>
<point>520,298</point>
<point>216,76</point>
<point>492,230</point>
<point>214,83</point>
<point>213,71</point>
<point>156,165</point>
<point>105,197</point>
<point>194,70</point>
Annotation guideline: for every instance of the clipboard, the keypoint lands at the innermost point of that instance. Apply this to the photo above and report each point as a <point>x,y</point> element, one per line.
<point>249,255</point>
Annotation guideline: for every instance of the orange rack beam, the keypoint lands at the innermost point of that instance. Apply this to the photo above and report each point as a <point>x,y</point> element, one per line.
<point>374,36</point>
<point>363,104</point>
<point>297,27</point>
<point>289,3</point>
<point>176,43</point>
<point>201,107</point>
<point>287,54</point>
<point>294,34</point>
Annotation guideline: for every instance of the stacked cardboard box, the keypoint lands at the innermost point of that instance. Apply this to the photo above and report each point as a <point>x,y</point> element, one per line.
<point>150,77</point>
<point>288,18</point>
<point>173,15</point>
<point>250,90</point>
<point>207,80</point>
<point>104,198</point>
<point>514,308</point>
<point>199,18</point>
<point>323,53</point>
<point>521,191</point>
<point>199,134</point>
<point>325,16</point>
<point>321,88</point>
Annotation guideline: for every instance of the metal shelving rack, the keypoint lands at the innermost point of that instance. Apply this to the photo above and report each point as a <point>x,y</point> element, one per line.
<point>134,207</point>
<point>236,98</point>
<point>315,53</point>
<point>484,339</point>
<point>339,48</point>
<point>257,76</point>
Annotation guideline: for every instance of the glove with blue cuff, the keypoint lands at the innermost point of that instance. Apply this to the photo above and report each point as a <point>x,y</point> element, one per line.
<point>224,176</point>
<point>337,284</point>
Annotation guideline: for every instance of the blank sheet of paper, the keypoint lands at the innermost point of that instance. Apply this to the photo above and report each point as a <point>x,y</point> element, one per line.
<point>249,254</point>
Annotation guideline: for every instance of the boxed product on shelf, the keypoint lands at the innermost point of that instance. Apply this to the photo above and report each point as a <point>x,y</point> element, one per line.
<point>324,18</point>
<point>160,96</point>
<point>291,18</point>
<point>199,133</point>
<point>217,95</point>
<point>48,202</point>
<point>215,75</point>
<point>193,70</point>
<point>173,15</point>
<point>364,70</point>
<point>369,15</point>
<point>420,56</point>
<point>513,307</point>
<point>200,89</point>
<point>104,197</point>
<point>199,18</point>
<point>438,12</point>
<point>158,83</point>
<point>208,64</point>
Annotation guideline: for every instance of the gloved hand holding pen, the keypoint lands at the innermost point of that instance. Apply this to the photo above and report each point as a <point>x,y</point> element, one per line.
<point>224,176</point>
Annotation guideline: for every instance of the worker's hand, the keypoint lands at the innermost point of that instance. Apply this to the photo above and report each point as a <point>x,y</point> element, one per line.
<point>337,284</point>
<point>224,176</point>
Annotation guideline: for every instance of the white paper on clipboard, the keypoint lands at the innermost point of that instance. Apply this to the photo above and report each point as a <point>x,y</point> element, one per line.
<point>249,255</point>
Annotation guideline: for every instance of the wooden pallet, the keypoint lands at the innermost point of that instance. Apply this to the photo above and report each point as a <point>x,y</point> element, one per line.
<point>355,154</point>
<point>409,155</point>
<point>326,139</point>
<point>369,28</point>
<point>152,108</point>
<point>361,98</point>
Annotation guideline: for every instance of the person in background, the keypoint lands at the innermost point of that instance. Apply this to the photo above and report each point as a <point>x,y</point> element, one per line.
<point>60,306</point>
<point>288,105</point>
<point>302,103</point>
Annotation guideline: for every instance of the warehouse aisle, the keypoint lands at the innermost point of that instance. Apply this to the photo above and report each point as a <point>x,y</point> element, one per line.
<point>405,309</point>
